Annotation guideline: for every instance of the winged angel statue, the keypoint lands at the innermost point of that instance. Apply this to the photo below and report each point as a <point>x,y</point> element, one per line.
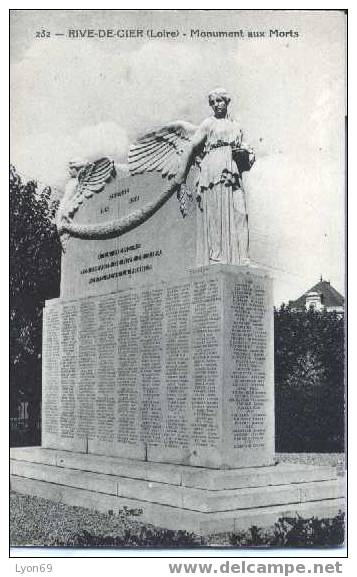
<point>217,150</point>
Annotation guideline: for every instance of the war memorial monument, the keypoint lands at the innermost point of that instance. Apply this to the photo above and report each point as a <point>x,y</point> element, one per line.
<point>158,365</point>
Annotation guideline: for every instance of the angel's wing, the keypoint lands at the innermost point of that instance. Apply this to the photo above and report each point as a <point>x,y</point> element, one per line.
<point>91,179</point>
<point>160,149</point>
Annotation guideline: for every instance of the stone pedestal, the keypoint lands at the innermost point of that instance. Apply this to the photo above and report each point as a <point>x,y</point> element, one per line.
<point>197,499</point>
<point>178,371</point>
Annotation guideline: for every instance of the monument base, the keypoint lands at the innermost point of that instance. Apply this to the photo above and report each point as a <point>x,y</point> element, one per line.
<point>205,501</point>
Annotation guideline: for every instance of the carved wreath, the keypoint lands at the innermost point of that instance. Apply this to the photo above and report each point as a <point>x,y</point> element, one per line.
<point>160,151</point>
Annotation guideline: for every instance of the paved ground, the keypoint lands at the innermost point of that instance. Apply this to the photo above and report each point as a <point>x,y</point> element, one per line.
<point>333,459</point>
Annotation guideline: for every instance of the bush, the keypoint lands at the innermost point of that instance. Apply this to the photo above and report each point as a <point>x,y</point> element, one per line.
<point>143,537</point>
<point>295,532</point>
<point>287,532</point>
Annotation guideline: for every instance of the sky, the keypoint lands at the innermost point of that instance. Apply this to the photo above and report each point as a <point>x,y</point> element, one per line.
<point>89,97</point>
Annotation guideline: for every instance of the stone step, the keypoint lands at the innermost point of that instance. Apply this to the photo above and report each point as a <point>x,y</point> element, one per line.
<point>195,477</point>
<point>190,498</point>
<point>175,518</point>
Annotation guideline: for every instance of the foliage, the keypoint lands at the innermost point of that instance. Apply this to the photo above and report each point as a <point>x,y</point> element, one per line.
<point>34,276</point>
<point>309,380</point>
<point>295,532</point>
<point>287,532</point>
<point>142,537</point>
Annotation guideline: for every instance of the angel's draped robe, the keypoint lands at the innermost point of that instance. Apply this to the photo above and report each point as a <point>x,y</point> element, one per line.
<point>222,220</point>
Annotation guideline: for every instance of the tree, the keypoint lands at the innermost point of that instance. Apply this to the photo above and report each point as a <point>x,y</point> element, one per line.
<point>309,380</point>
<point>35,255</point>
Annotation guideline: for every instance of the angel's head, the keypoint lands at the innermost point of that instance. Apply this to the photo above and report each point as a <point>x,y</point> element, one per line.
<point>219,100</point>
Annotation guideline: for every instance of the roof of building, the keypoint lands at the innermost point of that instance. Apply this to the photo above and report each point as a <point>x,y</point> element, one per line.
<point>330,296</point>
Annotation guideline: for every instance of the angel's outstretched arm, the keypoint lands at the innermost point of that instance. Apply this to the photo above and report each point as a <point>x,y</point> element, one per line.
<point>187,157</point>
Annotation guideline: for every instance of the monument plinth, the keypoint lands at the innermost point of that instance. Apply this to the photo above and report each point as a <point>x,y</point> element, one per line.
<point>178,371</point>
<point>158,376</point>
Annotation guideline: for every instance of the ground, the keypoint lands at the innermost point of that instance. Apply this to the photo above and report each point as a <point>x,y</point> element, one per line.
<point>39,522</point>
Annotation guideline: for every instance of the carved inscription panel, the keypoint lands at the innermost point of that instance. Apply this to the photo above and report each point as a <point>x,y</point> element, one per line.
<point>206,341</point>
<point>138,367</point>
<point>159,248</point>
<point>178,371</point>
<point>249,342</point>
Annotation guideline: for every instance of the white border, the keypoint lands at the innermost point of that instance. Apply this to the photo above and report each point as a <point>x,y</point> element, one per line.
<point>156,566</point>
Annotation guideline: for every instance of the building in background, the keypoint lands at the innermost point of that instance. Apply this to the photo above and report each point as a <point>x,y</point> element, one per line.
<point>322,296</point>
